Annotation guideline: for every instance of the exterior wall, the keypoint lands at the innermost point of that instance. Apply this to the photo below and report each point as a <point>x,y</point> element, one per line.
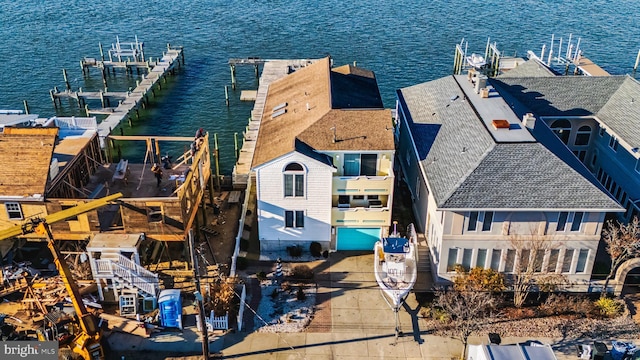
<point>410,170</point>
<point>511,228</point>
<point>272,204</point>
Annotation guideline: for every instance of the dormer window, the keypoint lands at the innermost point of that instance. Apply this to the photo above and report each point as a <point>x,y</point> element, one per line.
<point>293,180</point>
<point>562,128</point>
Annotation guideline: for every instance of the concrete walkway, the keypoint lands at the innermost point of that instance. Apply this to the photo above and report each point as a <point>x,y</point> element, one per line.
<point>352,321</point>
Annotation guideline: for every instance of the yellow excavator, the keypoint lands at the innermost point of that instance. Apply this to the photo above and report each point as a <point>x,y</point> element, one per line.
<point>86,339</point>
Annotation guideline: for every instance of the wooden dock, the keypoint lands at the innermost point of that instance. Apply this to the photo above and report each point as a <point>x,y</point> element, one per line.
<point>124,103</point>
<point>588,67</point>
<point>272,70</point>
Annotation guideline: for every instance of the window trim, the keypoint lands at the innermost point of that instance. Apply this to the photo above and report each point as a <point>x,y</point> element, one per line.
<point>613,143</point>
<point>475,222</point>
<point>484,221</point>
<point>564,222</point>
<point>294,175</point>
<point>581,131</point>
<point>17,209</point>
<point>573,221</point>
<point>294,219</point>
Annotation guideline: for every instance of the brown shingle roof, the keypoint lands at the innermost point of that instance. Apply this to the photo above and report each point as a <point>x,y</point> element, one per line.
<point>25,156</point>
<point>309,115</point>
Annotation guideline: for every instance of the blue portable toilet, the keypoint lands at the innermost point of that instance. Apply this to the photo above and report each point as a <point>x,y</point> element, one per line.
<point>170,305</point>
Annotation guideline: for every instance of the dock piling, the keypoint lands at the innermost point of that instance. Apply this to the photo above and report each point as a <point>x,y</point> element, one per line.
<point>216,155</point>
<point>26,107</point>
<point>235,145</point>
<point>233,76</point>
<point>101,51</point>
<point>635,67</point>
<point>66,80</point>
<point>226,94</point>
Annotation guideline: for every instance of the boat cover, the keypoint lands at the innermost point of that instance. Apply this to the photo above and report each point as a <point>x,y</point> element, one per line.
<point>395,245</point>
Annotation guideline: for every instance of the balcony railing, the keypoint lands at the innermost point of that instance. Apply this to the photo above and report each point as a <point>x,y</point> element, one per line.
<point>360,216</point>
<point>361,185</point>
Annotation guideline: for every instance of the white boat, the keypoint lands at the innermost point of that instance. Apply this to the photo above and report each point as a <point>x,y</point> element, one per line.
<point>476,61</point>
<point>395,265</point>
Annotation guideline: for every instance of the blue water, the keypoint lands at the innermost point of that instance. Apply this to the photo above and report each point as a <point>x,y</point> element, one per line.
<point>404,42</point>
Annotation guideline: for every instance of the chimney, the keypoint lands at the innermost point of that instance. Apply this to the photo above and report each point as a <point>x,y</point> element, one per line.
<point>529,121</point>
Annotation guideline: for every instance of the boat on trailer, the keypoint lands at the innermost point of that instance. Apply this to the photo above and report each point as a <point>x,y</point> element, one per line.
<point>395,265</point>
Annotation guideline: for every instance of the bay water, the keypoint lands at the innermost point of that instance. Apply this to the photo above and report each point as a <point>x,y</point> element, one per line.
<point>404,42</point>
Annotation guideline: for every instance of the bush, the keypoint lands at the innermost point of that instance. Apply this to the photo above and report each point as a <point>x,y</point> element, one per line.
<point>242,263</point>
<point>294,251</point>
<point>325,254</point>
<point>300,295</point>
<point>302,272</point>
<point>609,307</point>
<point>261,276</point>
<point>559,304</point>
<point>316,249</point>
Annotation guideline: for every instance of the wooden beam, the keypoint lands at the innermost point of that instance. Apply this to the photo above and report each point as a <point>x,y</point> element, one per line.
<point>142,137</point>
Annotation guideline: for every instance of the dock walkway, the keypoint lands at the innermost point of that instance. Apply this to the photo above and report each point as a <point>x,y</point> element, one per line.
<point>272,71</point>
<point>129,101</point>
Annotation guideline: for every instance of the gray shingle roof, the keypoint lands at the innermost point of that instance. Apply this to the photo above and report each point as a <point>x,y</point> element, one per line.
<point>530,68</point>
<point>622,112</point>
<point>561,95</point>
<point>526,175</point>
<point>465,167</point>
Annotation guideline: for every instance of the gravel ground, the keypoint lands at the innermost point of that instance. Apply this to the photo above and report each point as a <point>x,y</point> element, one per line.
<point>284,312</point>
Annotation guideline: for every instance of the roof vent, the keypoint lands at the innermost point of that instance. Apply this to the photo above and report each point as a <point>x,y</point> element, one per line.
<point>500,124</point>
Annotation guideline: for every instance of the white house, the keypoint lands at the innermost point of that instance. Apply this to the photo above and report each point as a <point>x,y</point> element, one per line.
<point>485,190</point>
<point>324,160</point>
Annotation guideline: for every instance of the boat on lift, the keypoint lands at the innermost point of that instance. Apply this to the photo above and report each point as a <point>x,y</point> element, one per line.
<point>476,61</point>
<point>395,265</point>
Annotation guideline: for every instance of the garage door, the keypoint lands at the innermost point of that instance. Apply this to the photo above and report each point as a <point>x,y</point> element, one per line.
<point>357,238</point>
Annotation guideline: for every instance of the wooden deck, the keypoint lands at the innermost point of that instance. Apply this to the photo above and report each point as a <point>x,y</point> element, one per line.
<point>589,68</point>
<point>273,70</point>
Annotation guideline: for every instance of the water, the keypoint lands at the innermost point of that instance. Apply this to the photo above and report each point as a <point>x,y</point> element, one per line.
<point>404,42</point>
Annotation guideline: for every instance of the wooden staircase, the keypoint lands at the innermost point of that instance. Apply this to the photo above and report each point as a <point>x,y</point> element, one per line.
<point>424,282</point>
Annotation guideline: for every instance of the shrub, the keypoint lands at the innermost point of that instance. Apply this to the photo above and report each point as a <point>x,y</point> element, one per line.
<point>609,307</point>
<point>478,279</point>
<point>261,276</point>
<point>440,314</point>
<point>325,254</point>
<point>560,304</point>
<point>294,251</point>
<point>302,272</point>
<point>242,263</point>
<point>316,249</point>
<point>300,295</point>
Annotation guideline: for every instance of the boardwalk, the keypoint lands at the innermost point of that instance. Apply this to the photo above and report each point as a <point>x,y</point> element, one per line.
<point>272,71</point>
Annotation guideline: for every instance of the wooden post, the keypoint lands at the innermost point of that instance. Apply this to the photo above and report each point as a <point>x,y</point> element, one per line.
<point>66,81</point>
<point>635,67</point>
<point>226,95</point>
<point>101,51</point>
<point>216,155</point>
<point>86,109</point>
<point>235,145</point>
<point>233,76</point>
<point>26,107</point>
<point>102,99</point>
<point>53,99</point>
<point>256,68</point>
<point>104,76</point>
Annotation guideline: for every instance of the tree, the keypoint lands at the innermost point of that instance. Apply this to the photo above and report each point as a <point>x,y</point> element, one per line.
<point>622,243</point>
<point>527,262</point>
<point>469,310</point>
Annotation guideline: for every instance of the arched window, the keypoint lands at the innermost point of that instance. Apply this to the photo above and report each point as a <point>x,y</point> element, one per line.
<point>562,128</point>
<point>583,135</point>
<point>294,180</point>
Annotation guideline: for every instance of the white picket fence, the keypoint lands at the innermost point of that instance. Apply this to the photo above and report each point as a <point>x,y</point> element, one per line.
<point>222,322</point>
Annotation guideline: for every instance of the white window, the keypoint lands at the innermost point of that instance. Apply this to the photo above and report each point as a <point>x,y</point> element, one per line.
<point>14,211</point>
<point>481,260</point>
<point>577,221</point>
<point>487,220</point>
<point>360,164</point>
<point>294,219</point>
<point>452,260</point>
<point>583,135</point>
<point>562,221</point>
<point>466,258</point>
<point>510,261</point>
<point>496,255</point>
<point>553,260</point>
<point>581,265</point>
<point>294,180</point>
<point>472,221</point>
<point>613,143</point>
<point>568,259</point>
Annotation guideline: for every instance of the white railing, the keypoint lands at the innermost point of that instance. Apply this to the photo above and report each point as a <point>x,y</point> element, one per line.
<point>136,281</point>
<point>76,122</point>
<point>139,270</point>
<point>219,322</point>
<point>245,205</point>
<point>103,267</point>
<point>132,273</point>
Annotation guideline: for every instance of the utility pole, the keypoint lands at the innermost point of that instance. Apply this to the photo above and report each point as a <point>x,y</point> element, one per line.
<point>199,297</point>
